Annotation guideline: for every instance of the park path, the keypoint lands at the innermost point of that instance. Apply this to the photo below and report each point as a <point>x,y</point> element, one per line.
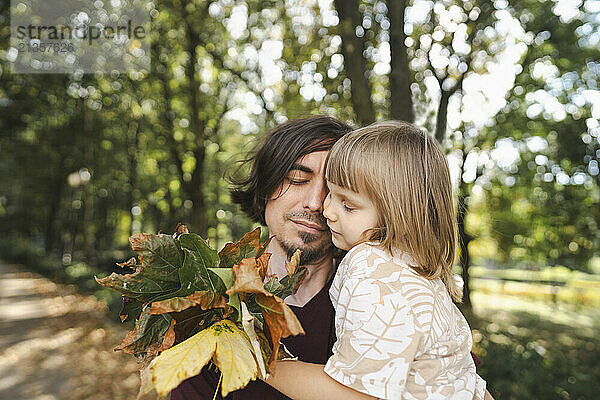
<point>57,344</point>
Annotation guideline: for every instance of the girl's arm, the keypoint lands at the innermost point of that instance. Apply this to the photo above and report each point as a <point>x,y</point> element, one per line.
<point>305,381</point>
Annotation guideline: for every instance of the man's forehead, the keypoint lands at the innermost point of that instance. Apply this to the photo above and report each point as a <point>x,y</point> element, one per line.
<point>311,162</point>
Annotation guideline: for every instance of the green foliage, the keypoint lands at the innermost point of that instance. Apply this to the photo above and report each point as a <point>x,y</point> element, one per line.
<point>544,223</point>
<point>527,356</point>
<point>87,160</point>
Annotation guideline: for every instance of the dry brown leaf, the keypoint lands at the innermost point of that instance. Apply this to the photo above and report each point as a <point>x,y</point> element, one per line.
<point>169,337</point>
<point>127,340</point>
<point>248,246</point>
<point>279,318</point>
<point>246,278</point>
<point>181,229</point>
<point>263,264</point>
<point>131,263</point>
<point>206,300</point>
<point>293,263</point>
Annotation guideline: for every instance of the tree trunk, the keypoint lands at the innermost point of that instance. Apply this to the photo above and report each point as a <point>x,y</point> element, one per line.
<point>464,240</point>
<point>442,115</point>
<point>132,148</point>
<point>354,61</point>
<point>103,240</point>
<point>161,70</point>
<point>194,188</point>
<point>88,202</point>
<point>56,191</point>
<point>401,105</point>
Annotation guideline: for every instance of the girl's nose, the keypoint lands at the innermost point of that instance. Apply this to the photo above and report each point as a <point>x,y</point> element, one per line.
<point>327,212</point>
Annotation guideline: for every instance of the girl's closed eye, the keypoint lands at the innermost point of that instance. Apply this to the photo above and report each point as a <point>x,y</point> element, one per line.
<point>346,207</point>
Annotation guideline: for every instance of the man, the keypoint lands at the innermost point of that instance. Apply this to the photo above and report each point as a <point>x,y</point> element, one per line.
<point>285,191</point>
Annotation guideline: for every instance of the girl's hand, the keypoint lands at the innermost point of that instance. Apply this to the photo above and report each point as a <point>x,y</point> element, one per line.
<point>487,395</point>
<point>305,381</point>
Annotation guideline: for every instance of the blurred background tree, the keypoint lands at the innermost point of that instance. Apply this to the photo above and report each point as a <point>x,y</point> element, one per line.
<point>509,88</point>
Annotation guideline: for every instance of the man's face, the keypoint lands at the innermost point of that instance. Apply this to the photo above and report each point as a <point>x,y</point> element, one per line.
<point>294,211</point>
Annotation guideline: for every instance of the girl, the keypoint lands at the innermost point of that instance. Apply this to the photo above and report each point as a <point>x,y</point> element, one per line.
<point>399,334</point>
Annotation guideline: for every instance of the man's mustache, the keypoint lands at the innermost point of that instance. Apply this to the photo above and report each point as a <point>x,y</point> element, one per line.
<point>315,218</point>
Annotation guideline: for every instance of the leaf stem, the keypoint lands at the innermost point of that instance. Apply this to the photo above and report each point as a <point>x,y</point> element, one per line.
<point>218,384</point>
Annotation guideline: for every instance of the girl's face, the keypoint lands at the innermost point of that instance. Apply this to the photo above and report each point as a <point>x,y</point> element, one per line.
<point>349,215</point>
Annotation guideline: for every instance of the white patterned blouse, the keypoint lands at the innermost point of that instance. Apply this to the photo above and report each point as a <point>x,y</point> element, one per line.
<point>399,335</point>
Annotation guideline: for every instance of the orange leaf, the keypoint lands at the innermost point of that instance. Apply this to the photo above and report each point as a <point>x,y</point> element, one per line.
<point>246,278</point>
<point>131,263</point>
<point>279,318</point>
<point>206,300</point>
<point>181,229</point>
<point>127,340</point>
<point>233,253</point>
<point>293,263</point>
<point>169,338</point>
<point>263,264</point>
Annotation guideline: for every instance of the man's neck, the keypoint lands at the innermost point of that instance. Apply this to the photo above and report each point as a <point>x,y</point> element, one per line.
<point>317,276</point>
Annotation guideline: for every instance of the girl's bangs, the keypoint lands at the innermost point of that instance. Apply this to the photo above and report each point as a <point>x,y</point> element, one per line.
<point>344,167</point>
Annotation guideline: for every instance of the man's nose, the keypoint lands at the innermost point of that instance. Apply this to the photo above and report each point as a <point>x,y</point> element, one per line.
<point>313,198</point>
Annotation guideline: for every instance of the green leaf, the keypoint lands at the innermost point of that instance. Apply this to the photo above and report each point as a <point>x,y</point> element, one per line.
<point>274,286</point>
<point>159,251</point>
<point>204,253</point>
<point>292,283</point>
<point>226,275</point>
<point>195,276</point>
<point>147,336</point>
<point>288,285</point>
<point>263,248</point>
<point>131,309</point>
<point>157,273</point>
<point>199,258</point>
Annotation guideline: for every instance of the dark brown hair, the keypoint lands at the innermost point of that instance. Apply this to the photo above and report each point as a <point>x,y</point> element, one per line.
<point>272,160</point>
<point>404,172</point>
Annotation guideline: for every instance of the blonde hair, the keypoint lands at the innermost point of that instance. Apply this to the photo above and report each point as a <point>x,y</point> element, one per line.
<point>404,172</point>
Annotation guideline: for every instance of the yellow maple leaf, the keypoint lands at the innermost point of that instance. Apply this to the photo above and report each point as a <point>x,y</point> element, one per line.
<point>224,342</point>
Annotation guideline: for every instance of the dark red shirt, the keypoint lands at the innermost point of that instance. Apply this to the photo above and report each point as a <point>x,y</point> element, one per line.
<point>317,319</point>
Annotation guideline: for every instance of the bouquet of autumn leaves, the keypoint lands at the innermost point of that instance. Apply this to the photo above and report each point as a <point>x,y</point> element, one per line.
<point>192,306</point>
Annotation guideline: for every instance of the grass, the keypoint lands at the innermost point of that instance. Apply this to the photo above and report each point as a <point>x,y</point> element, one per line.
<point>572,287</point>
<point>534,349</point>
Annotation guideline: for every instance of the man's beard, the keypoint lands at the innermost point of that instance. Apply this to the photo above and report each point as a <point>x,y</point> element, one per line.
<point>309,253</point>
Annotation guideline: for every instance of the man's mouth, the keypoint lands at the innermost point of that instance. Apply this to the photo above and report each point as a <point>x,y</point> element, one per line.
<point>309,226</point>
